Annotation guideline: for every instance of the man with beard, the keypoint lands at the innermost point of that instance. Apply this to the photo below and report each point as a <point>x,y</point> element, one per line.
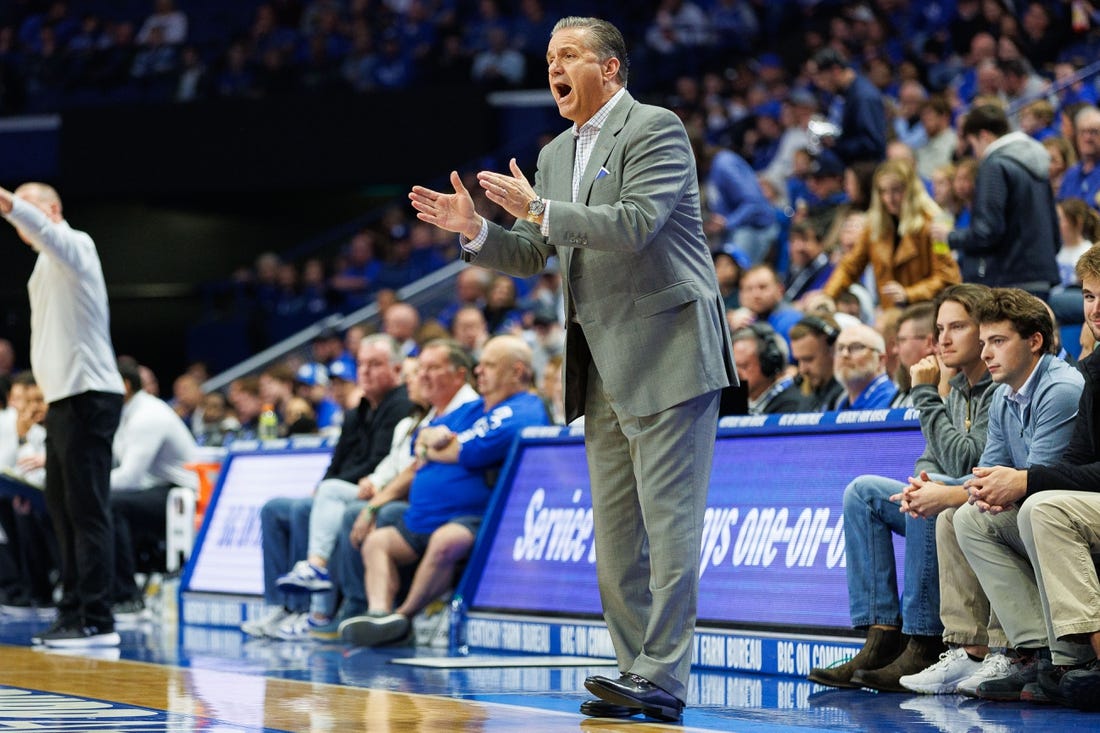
<point>812,349</point>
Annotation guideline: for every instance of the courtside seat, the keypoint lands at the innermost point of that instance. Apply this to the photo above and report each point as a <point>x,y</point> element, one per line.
<point>185,511</point>
<point>1071,339</point>
<point>180,528</point>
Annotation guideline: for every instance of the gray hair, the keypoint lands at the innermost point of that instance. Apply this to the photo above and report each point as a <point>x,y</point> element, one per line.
<point>456,355</point>
<point>394,348</point>
<point>605,40</point>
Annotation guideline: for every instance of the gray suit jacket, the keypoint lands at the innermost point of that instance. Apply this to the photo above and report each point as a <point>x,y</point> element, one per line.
<point>637,274</point>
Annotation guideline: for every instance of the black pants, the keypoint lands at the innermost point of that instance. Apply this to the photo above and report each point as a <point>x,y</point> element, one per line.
<point>32,553</point>
<point>11,580</point>
<point>140,523</point>
<point>79,431</point>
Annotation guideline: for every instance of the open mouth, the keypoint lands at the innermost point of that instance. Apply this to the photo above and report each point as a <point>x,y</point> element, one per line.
<point>563,90</point>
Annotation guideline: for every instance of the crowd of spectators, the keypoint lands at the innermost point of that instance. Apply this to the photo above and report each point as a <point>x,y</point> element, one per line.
<point>849,178</point>
<point>56,54</point>
<point>790,137</point>
<point>309,390</point>
<point>763,87</point>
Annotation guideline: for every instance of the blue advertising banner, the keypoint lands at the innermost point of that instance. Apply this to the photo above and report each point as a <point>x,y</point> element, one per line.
<point>773,539</point>
<point>227,557</point>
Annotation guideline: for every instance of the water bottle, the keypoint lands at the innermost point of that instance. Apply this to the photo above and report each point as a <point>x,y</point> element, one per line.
<point>268,428</point>
<point>457,639</point>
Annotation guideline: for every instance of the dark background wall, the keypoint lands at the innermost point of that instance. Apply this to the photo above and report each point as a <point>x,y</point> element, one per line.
<point>180,195</point>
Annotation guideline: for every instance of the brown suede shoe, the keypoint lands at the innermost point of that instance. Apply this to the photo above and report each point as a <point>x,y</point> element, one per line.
<point>920,653</point>
<point>881,648</point>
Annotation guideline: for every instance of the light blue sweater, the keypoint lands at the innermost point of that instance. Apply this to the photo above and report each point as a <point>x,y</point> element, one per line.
<point>1044,430</point>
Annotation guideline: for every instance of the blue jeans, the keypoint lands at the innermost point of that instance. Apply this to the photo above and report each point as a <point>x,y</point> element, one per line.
<point>284,527</point>
<point>870,521</point>
<point>346,563</point>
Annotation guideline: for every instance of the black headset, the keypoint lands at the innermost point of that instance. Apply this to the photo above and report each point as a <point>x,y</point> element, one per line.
<point>771,357</point>
<point>826,329</point>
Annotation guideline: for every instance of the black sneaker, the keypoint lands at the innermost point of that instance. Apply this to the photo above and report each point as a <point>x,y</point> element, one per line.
<point>81,637</point>
<point>58,624</point>
<point>1081,687</point>
<point>1046,689</point>
<point>1025,670</point>
<point>372,630</point>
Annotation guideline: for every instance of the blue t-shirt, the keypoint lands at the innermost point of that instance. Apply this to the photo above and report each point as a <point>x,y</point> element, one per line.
<point>441,492</point>
<point>1078,184</point>
<point>875,395</point>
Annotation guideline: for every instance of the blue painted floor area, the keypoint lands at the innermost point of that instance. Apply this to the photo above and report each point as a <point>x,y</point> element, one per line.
<point>718,702</point>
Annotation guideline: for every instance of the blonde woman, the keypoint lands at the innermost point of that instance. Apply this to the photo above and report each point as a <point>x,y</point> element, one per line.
<point>897,242</point>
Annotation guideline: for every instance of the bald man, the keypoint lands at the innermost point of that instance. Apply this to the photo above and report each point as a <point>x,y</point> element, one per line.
<point>860,365</point>
<point>74,362</point>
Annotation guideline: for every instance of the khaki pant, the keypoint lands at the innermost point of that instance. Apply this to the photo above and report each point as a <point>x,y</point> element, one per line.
<point>964,609</point>
<point>996,551</point>
<point>1061,531</point>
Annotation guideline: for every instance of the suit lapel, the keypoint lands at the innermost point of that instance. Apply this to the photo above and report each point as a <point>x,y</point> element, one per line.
<point>561,177</point>
<point>560,183</point>
<point>605,143</point>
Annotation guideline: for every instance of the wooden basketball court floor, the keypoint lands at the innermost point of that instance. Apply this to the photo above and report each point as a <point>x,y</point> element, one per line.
<point>162,679</point>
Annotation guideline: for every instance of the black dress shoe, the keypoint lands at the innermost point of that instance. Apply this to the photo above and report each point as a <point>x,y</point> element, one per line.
<point>601,709</point>
<point>636,692</point>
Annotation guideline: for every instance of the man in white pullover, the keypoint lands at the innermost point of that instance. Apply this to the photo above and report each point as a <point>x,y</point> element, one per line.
<point>74,362</point>
<point>151,448</point>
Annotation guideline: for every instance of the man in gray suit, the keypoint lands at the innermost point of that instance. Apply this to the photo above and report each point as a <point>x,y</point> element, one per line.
<point>616,198</point>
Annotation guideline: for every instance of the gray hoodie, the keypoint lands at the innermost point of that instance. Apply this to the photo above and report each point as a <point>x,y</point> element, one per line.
<point>1025,150</point>
<point>954,428</point>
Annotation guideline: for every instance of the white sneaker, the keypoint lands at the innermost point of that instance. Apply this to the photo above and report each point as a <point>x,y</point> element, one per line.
<point>995,666</point>
<point>304,577</point>
<point>943,677</point>
<point>269,621</point>
<point>294,627</point>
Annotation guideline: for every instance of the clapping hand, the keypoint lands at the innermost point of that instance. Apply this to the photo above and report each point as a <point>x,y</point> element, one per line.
<point>453,212</point>
<point>512,193</point>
